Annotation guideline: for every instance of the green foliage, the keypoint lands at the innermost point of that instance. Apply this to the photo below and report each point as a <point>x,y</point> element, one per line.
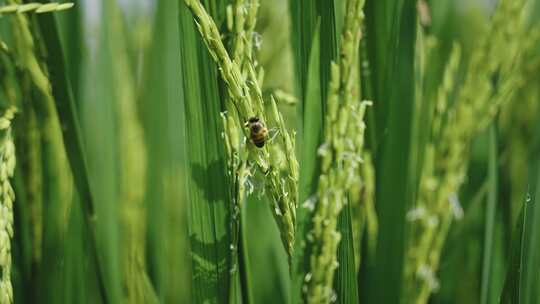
<point>310,167</point>
<point>521,284</point>
<point>391,53</point>
<point>161,112</point>
<point>136,179</point>
<point>209,212</point>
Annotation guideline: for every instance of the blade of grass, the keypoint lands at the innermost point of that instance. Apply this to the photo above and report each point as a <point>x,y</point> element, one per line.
<point>309,168</point>
<point>510,292</point>
<point>314,121</point>
<point>80,286</point>
<point>207,186</point>
<point>163,119</point>
<point>66,108</point>
<point>382,26</point>
<point>245,272</point>
<point>521,283</point>
<point>522,278</point>
<point>70,26</point>
<point>305,16</point>
<point>530,250</point>
<point>267,257</point>
<point>99,117</point>
<point>71,134</point>
<point>330,36</point>
<point>487,271</point>
<point>57,196</point>
<point>345,281</point>
<point>391,23</point>
<point>303,22</point>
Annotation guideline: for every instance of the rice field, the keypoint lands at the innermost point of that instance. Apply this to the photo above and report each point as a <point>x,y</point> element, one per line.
<point>257,151</point>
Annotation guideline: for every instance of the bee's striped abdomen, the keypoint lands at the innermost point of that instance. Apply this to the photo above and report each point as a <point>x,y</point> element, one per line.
<point>257,132</point>
<point>258,140</point>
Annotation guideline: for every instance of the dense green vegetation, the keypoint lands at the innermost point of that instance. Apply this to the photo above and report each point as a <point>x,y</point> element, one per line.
<point>401,161</point>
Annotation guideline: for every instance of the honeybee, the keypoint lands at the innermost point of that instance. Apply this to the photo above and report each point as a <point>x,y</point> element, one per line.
<point>257,131</point>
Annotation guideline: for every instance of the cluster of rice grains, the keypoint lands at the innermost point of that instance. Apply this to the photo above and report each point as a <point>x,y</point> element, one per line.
<point>34,7</point>
<point>341,156</point>
<point>245,100</point>
<point>7,197</point>
<point>454,126</point>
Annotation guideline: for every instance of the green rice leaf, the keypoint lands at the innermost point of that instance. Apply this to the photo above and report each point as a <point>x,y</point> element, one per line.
<point>268,261</point>
<point>309,168</point>
<point>392,28</point>
<point>163,120</point>
<point>314,46</point>
<point>521,284</point>
<point>245,273</point>
<point>303,22</point>
<point>66,108</point>
<point>306,15</point>
<point>489,233</point>
<point>510,292</point>
<point>72,139</point>
<point>523,279</point>
<point>207,184</point>
<point>530,248</point>
<point>80,283</point>
<point>99,115</point>
<point>71,35</point>
<point>345,281</point>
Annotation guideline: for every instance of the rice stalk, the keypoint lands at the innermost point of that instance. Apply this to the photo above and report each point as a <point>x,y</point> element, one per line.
<point>453,129</point>
<point>341,158</point>
<point>35,7</point>
<point>247,101</point>
<point>7,197</point>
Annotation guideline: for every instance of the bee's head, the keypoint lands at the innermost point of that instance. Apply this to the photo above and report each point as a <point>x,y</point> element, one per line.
<point>253,119</point>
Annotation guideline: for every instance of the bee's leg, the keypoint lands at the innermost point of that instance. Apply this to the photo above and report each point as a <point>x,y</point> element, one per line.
<point>272,134</point>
